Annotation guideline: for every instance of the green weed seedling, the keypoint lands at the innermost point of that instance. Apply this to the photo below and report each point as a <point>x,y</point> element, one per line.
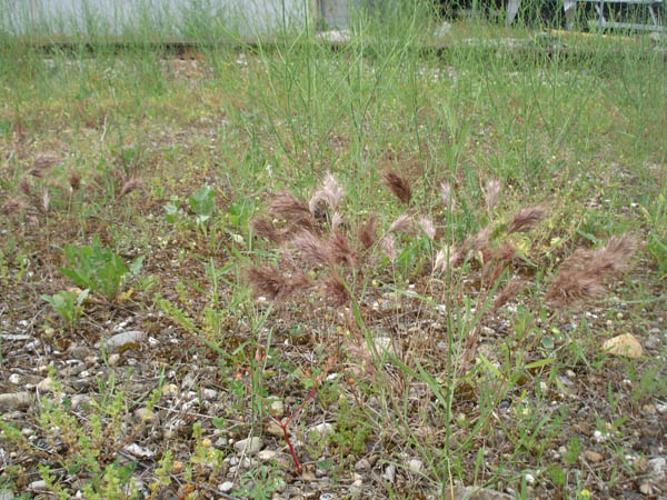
<point>173,212</point>
<point>68,304</point>
<point>99,269</point>
<point>202,204</point>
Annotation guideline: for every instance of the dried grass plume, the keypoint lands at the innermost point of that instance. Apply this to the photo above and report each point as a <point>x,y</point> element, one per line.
<point>331,194</point>
<point>398,185</point>
<point>526,219</point>
<point>583,275</point>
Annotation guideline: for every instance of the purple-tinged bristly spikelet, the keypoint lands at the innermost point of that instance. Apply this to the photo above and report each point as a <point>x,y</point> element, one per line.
<point>583,275</point>
<point>447,196</point>
<point>398,185</point>
<point>331,194</point>
<point>526,219</point>
<point>367,233</point>
<point>269,282</point>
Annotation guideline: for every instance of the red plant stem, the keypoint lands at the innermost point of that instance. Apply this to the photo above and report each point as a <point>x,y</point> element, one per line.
<point>284,424</point>
<point>297,464</point>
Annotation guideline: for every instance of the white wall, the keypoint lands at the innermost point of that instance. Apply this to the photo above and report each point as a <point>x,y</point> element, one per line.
<point>116,16</point>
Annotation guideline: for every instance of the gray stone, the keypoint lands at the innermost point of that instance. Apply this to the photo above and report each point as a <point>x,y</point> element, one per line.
<point>323,429</point>
<point>37,485</point>
<point>250,445</point>
<point>79,399</point>
<point>362,465</point>
<point>657,466</point>
<point>46,385</point>
<point>390,473</point>
<point>189,380</point>
<point>14,401</point>
<point>124,340</point>
<point>208,394</point>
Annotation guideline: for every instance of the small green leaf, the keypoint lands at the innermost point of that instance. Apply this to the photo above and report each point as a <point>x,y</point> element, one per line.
<point>548,342</point>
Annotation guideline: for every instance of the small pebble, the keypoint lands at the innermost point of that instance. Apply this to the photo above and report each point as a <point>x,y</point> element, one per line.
<point>46,385</point>
<point>250,445</point>
<point>362,465</point>
<point>226,487</point>
<point>658,466</point>
<point>170,390</point>
<point>209,394</point>
<point>78,400</point>
<point>145,415</point>
<point>415,465</point>
<point>15,379</point>
<point>37,485</point>
<point>124,340</point>
<point>593,456</point>
<point>390,473</point>
<point>14,401</point>
<point>138,451</point>
<point>646,488</point>
<point>267,455</point>
<point>322,429</point>
<point>276,408</point>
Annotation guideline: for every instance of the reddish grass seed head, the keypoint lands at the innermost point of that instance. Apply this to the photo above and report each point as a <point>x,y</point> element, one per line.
<point>367,232</point>
<point>398,185</point>
<point>526,219</point>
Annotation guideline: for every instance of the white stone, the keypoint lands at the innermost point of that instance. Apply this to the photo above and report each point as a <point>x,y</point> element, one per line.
<point>383,344</point>
<point>37,485</point>
<point>657,466</point>
<point>390,473</point>
<point>138,451</point>
<point>323,429</point>
<point>46,385</point>
<point>226,487</point>
<point>415,465</point>
<point>124,340</point>
<point>170,390</point>
<point>249,446</point>
<point>276,408</point>
<point>267,455</point>
<point>208,394</point>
